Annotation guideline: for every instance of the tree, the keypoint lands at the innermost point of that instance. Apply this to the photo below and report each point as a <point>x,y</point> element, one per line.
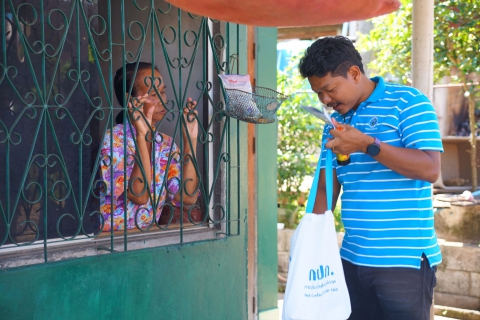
<point>456,32</point>
<point>456,53</point>
<point>299,138</point>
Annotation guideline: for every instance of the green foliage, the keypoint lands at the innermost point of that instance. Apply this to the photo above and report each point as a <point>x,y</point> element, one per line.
<point>337,215</point>
<point>299,139</point>
<point>390,39</point>
<point>299,143</point>
<point>456,32</point>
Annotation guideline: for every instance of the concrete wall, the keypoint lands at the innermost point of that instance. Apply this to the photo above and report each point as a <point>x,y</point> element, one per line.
<point>458,277</point>
<point>458,223</point>
<point>283,247</point>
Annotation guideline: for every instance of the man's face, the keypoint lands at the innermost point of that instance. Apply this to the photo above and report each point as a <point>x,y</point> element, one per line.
<point>341,94</point>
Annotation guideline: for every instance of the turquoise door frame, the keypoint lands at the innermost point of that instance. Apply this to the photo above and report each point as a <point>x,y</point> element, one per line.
<point>266,147</point>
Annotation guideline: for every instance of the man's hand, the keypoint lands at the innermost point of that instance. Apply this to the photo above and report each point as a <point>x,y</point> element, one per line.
<point>347,139</point>
<point>411,163</point>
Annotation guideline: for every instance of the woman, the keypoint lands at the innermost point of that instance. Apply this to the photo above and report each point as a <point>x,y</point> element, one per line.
<point>150,161</point>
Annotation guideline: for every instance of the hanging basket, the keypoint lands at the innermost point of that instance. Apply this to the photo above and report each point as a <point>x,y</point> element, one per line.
<point>260,106</point>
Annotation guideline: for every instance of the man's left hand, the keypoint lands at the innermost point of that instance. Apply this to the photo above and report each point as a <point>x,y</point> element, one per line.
<point>347,139</point>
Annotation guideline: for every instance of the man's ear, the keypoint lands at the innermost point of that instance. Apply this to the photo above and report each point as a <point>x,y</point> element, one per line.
<point>355,73</point>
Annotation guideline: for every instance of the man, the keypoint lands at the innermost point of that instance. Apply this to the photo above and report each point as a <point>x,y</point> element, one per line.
<point>390,250</point>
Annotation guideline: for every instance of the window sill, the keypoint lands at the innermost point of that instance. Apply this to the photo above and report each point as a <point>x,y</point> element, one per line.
<point>12,256</point>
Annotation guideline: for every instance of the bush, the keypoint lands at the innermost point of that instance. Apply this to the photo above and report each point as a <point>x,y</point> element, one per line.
<point>299,143</point>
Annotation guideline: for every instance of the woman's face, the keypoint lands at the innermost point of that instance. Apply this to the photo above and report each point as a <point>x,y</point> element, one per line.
<point>143,85</point>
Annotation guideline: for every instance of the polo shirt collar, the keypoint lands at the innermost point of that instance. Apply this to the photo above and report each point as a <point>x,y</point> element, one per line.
<point>377,94</point>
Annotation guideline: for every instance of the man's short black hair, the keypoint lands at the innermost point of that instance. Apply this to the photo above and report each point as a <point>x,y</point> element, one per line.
<point>333,55</point>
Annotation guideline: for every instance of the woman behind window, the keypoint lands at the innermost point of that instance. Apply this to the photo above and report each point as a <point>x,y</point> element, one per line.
<point>152,162</point>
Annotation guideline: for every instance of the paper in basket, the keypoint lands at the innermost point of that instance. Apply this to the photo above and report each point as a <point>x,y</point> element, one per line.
<point>316,287</point>
<point>242,84</point>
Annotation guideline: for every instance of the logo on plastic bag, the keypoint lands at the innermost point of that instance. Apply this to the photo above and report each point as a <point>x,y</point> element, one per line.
<point>319,274</point>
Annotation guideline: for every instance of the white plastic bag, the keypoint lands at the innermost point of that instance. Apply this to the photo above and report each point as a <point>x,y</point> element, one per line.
<point>316,287</point>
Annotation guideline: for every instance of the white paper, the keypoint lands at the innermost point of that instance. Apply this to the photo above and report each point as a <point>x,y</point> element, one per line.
<point>321,114</point>
<point>236,81</point>
<point>325,112</point>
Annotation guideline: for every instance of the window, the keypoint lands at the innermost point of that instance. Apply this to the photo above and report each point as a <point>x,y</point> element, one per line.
<point>58,106</point>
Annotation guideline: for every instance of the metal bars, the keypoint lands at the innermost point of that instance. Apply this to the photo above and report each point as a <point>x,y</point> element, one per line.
<point>57,117</point>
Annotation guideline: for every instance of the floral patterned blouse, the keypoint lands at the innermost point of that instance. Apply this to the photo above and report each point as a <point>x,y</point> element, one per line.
<point>160,158</point>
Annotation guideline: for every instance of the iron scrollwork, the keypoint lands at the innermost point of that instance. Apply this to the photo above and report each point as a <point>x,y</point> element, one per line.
<point>57,106</point>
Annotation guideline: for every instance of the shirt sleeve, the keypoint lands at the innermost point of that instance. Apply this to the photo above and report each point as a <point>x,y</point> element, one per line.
<point>418,125</point>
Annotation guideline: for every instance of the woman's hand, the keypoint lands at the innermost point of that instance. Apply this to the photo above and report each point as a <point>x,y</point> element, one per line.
<point>142,122</point>
<point>141,177</point>
<point>190,134</point>
<point>191,123</point>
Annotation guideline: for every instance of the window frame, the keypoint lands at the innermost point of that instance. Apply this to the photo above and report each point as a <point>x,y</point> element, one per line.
<point>12,255</point>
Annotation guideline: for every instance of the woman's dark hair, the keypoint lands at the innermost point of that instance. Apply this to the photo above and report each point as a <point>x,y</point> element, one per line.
<point>129,79</point>
<point>333,55</point>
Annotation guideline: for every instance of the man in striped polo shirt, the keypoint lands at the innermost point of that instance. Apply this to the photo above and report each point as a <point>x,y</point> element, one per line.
<point>391,133</point>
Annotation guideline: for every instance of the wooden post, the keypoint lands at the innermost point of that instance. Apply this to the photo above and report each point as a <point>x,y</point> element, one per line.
<point>422,46</point>
<point>252,187</point>
<point>422,55</point>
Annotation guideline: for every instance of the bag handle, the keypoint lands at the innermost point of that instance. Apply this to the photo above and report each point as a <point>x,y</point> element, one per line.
<point>328,180</point>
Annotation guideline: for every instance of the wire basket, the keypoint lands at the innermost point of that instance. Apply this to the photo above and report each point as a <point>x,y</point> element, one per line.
<point>260,106</point>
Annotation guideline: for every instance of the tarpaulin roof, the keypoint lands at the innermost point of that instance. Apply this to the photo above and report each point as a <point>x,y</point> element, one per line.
<point>284,13</point>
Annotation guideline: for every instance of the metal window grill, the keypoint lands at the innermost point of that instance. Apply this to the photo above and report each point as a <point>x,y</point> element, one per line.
<point>57,106</point>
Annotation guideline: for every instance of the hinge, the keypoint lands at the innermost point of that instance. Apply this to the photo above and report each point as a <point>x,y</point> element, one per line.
<point>253,145</point>
<point>253,305</point>
<point>254,49</point>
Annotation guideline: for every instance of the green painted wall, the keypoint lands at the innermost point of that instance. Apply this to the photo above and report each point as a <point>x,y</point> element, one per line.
<point>205,280</point>
<point>201,281</point>
<point>266,148</point>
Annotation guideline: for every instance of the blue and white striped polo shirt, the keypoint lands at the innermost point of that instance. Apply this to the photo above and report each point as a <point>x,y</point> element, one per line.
<point>388,218</point>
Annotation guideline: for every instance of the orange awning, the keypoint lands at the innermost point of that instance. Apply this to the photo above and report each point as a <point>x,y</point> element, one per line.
<point>284,13</point>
